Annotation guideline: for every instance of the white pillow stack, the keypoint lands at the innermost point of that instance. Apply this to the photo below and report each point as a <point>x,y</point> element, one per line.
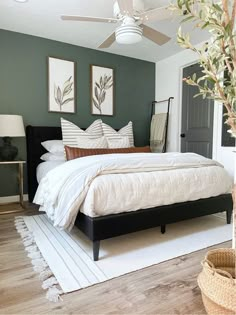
<point>53,157</point>
<point>97,135</point>
<point>53,146</point>
<point>55,150</point>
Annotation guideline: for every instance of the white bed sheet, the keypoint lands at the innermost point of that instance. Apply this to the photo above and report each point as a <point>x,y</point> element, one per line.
<point>44,167</point>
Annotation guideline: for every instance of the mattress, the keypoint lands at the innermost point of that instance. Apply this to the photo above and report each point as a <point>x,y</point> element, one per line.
<point>44,167</point>
<point>116,193</point>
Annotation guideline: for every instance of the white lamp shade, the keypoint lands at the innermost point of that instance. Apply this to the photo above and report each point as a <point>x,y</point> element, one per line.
<point>11,126</point>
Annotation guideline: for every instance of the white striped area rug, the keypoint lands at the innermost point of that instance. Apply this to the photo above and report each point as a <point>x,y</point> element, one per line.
<point>69,255</point>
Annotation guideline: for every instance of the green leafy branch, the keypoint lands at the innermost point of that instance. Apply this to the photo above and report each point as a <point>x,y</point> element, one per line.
<point>217,57</point>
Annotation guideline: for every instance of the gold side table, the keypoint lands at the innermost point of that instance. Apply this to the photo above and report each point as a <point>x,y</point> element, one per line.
<point>20,178</point>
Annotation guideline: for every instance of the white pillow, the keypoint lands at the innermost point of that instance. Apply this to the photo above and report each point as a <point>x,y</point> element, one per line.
<point>53,146</point>
<point>53,157</point>
<point>88,143</point>
<point>71,132</point>
<point>117,143</point>
<point>127,131</point>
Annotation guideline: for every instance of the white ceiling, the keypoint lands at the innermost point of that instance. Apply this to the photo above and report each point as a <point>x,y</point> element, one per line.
<point>42,18</point>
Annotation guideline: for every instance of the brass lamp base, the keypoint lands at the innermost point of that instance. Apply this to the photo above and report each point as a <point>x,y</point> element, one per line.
<point>8,152</point>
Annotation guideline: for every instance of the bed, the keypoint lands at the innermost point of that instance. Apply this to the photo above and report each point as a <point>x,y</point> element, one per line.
<point>108,226</point>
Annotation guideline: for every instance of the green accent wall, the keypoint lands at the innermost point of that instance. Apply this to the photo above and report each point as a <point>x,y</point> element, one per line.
<point>23,90</point>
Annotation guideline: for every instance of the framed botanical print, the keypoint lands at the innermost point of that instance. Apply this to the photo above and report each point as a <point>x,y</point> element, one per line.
<point>61,85</point>
<point>102,90</point>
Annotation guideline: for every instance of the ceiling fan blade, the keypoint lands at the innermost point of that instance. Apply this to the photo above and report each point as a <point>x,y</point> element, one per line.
<point>126,7</point>
<point>154,35</point>
<point>109,41</point>
<point>157,14</point>
<point>88,19</point>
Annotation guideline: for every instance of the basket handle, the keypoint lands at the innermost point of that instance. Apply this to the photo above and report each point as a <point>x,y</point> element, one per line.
<point>214,270</point>
<point>205,260</point>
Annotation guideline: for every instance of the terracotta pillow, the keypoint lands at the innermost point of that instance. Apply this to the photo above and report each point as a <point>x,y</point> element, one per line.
<point>74,153</point>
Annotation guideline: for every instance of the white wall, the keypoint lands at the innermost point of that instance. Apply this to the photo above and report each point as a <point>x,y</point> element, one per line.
<point>224,155</point>
<point>169,83</point>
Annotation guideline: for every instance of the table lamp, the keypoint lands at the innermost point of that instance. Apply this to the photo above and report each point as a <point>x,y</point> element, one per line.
<point>10,126</point>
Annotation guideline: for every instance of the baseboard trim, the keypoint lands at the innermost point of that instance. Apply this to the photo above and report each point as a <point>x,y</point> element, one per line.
<point>9,199</point>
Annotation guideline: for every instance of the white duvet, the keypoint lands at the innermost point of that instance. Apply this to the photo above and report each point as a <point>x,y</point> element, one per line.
<point>105,184</point>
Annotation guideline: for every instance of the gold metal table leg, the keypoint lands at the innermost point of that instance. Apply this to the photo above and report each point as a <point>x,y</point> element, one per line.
<point>21,185</point>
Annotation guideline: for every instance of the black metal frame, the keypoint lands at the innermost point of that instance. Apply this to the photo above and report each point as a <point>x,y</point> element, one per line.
<point>100,228</point>
<point>167,118</point>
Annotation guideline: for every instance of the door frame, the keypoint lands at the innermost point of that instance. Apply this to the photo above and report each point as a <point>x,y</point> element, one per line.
<point>217,111</point>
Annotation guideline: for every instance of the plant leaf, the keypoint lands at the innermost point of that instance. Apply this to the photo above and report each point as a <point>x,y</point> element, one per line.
<point>55,94</point>
<point>187,19</point>
<point>67,82</point>
<point>109,86</point>
<point>67,100</point>
<point>96,104</point>
<point>96,92</point>
<point>59,95</point>
<point>103,96</point>
<point>68,89</point>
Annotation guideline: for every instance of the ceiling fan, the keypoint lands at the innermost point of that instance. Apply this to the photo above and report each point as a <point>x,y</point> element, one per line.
<point>132,21</point>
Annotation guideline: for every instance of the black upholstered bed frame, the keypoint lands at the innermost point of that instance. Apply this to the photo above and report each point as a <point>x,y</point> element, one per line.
<point>100,228</point>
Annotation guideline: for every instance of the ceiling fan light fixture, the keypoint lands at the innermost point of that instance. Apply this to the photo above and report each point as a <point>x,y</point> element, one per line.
<point>129,34</point>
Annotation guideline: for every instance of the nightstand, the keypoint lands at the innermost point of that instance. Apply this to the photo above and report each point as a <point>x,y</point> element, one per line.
<point>20,181</point>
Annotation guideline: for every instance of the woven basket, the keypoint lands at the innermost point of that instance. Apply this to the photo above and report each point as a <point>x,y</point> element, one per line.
<point>217,282</point>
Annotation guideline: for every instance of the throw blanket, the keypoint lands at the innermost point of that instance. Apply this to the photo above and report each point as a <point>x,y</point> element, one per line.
<point>63,190</point>
<point>158,131</point>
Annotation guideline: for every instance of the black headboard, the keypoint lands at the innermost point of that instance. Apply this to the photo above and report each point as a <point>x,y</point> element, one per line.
<point>34,137</point>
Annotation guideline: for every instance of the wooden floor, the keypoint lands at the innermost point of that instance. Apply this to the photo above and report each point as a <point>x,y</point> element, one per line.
<point>166,288</point>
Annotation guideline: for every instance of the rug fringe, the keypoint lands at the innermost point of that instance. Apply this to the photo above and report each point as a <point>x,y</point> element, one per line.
<point>32,248</point>
<point>40,266</point>
<point>34,255</point>
<point>54,294</point>
<point>45,274</point>
<point>39,269</point>
<point>49,283</point>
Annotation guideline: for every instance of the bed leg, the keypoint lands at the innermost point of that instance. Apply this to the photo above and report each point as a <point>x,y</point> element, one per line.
<point>228,215</point>
<point>163,229</point>
<point>96,245</point>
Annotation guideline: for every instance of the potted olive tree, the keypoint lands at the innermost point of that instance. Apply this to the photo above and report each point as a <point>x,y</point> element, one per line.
<point>217,57</point>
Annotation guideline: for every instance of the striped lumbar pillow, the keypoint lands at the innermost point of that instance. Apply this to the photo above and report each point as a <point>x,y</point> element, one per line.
<point>127,130</point>
<point>75,153</point>
<point>71,132</point>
